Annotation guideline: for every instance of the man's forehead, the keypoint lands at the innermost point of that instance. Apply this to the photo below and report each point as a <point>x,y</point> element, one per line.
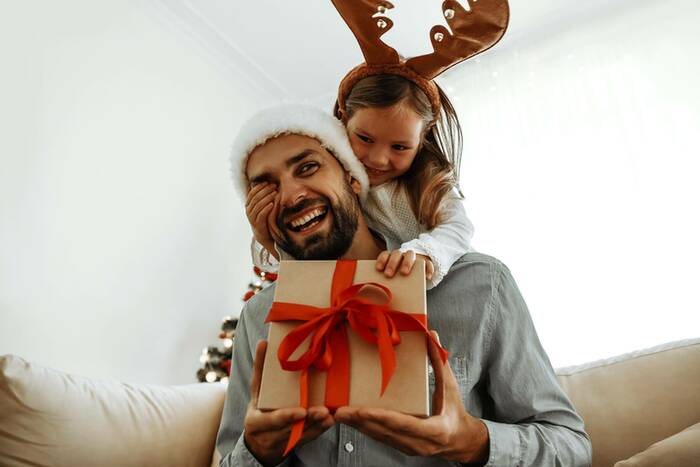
<point>282,152</point>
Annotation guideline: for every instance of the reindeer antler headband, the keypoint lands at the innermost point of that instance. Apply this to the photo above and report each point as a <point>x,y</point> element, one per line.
<point>473,31</point>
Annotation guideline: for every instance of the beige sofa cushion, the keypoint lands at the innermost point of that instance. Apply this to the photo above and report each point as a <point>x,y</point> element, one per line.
<point>634,400</point>
<point>679,450</point>
<point>49,418</point>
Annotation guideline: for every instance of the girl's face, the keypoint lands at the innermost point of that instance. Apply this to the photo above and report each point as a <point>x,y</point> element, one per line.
<point>385,140</point>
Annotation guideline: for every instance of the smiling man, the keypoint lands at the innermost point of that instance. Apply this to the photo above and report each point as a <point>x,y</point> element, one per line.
<point>318,227</point>
<point>496,402</point>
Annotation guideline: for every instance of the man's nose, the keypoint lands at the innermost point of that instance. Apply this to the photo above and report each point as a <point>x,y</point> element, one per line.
<point>291,192</point>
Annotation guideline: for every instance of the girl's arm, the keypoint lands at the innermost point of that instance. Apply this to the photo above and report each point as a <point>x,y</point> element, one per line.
<point>447,242</point>
<point>262,258</point>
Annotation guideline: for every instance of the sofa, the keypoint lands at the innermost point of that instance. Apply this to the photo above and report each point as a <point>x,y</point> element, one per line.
<point>641,409</point>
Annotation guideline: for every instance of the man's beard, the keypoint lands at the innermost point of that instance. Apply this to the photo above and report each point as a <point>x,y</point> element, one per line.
<point>322,246</point>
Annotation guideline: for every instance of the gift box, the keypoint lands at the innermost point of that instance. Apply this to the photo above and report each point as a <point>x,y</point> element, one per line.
<point>307,288</point>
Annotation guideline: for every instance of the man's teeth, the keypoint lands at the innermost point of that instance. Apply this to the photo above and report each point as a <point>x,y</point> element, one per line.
<point>303,220</point>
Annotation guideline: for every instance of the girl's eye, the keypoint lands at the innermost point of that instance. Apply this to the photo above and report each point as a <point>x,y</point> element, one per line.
<point>398,147</point>
<point>363,138</point>
<point>308,168</point>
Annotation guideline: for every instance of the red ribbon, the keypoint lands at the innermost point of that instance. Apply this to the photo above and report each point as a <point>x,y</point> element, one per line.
<point>377,324</point>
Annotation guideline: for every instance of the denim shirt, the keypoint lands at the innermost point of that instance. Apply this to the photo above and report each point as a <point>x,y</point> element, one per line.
<point>504,375</point>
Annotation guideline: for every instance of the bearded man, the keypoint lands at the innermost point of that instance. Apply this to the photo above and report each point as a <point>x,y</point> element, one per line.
<point>496,402</point>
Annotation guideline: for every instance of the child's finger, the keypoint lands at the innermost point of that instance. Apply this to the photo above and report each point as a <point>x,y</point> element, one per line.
<point>264,201</point>
<point>271,219</point>
<point>429,268</point>
<point>393,264</point>
<point>252,191</point>
<point>381,260</point>
<point>255,194</point>
<point>253,212</point>
<point>269,190</point>
<point>409,258</point>
<point>261,218</point>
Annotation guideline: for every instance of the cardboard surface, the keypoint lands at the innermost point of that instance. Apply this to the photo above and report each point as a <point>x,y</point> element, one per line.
<point>309,282</point>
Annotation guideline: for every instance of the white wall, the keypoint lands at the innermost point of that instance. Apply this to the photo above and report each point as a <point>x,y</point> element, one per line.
<point>122,243</point>
<point>581,172</point>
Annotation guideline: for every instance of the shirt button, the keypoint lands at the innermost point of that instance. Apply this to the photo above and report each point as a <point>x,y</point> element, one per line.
<point>349,447</point>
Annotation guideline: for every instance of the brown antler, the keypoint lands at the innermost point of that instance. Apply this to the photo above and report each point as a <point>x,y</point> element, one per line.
<point>475,30</point>
<point>367,22</point>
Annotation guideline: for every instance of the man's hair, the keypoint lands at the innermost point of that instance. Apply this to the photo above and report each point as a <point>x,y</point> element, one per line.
<point>297,119</point>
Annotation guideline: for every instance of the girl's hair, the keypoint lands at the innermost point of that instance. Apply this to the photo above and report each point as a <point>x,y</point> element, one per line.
<point>435,170</point>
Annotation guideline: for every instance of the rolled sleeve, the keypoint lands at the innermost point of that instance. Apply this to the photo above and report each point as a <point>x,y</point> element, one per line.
<point>242,457</point>
<point>504,445</point>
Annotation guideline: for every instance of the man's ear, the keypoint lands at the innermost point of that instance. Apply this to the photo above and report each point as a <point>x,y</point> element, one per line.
<point>339,113</point>
<point>354,184</point>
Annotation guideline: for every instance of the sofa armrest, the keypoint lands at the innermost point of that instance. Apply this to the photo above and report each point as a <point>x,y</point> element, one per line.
<point>633,400</point>
<point>53,418</point>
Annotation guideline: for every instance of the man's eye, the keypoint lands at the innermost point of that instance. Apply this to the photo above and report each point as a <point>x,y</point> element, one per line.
<point>308,168</point>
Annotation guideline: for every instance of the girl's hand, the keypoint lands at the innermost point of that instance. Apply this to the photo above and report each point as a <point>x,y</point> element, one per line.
<point>258,206</point>
<point>392,261</point>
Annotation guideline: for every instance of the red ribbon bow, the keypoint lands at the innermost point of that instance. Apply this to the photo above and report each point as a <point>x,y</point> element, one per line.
<point>377,324</point>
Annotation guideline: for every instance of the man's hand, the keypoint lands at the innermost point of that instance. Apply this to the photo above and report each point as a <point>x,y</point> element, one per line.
<point>258,207</point>
<point>266,433</point>
<point>392,261</point>
<point>450,433</point>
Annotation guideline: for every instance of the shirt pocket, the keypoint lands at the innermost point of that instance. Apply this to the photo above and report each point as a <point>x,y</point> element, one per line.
<point>459,368</point>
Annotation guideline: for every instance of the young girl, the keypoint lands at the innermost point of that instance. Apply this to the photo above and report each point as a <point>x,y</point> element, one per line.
<point>412,158</point>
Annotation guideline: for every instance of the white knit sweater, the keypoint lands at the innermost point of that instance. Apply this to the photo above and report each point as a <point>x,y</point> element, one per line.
<point>391,216</point>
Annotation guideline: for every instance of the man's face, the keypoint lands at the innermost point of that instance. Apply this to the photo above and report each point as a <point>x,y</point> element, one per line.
<point>316,209</point>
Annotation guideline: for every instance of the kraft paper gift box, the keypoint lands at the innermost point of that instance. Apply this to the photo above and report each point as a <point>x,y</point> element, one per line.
<point>309,283</point>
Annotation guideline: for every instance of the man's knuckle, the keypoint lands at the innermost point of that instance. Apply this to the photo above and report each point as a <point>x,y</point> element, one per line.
<point>424,450</point>
<point>441,439</point>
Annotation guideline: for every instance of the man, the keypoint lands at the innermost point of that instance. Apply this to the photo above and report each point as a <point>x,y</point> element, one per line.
<point>497,401</point>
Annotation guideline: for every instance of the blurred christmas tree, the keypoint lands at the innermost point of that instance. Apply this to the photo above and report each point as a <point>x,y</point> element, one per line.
<point>217,362</point>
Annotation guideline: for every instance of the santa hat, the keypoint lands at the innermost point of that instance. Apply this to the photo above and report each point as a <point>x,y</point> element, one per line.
<point>298,119</point>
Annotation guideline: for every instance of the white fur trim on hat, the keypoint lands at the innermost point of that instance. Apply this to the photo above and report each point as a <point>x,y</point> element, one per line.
<point>301,119</point>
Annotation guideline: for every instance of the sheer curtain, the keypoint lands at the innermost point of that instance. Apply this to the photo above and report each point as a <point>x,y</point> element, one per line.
<point>581,172</point>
